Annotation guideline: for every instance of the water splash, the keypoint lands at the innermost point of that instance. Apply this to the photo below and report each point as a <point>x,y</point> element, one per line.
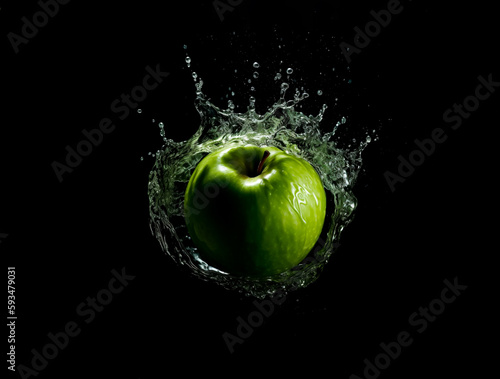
<point>281,126</point>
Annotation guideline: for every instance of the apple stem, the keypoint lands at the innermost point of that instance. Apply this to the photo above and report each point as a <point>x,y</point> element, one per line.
<point>261,164</point>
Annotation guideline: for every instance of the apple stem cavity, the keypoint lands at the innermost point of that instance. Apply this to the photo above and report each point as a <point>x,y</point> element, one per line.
<point>261,164</point>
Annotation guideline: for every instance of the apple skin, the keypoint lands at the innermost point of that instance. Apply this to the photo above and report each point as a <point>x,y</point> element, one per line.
<point>254,225</point>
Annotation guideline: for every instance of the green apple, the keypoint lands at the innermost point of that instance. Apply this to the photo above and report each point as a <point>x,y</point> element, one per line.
<point>254,211</point>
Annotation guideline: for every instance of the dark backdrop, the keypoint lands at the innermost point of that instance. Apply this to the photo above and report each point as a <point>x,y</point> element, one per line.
<point>65,238</point>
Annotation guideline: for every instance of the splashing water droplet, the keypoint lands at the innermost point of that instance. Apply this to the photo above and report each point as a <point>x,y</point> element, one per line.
<point>320,92</point>
<point>256,65</point>
<point>139,110</point>
<point>188,61</point>
<point>289,71</point>
<point>255,74</point>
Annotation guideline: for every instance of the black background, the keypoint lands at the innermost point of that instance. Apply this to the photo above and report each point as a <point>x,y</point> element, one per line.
<point>65,238</point>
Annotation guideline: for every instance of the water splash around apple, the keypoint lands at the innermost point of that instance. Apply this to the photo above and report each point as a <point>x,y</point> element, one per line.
<point>282,126</point>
